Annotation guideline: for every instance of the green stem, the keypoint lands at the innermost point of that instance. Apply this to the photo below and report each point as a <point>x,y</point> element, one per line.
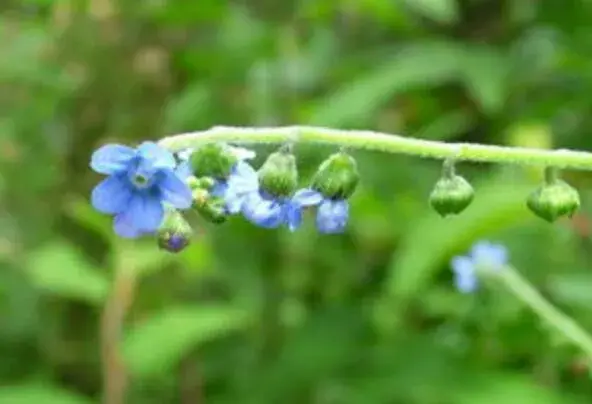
<point>368,140</point>
<point>561,322</point>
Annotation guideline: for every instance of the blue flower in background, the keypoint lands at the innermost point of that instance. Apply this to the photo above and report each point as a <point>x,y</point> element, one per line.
<point>483,254</point>
<point>140,181</point>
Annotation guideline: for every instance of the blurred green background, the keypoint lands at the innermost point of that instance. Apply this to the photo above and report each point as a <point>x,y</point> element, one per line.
<point>246,315</point>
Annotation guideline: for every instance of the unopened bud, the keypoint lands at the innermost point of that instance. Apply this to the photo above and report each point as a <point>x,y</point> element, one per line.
<point>337,176</point>
<point>554,199</point>
<point>278,176</point>
<point>452,193</point>
<point>174,233</point>
<point>212,160</point>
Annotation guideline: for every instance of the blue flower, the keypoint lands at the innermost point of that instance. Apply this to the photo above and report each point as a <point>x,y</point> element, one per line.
<point>140,181</point>
<point>484,255</point>
<point>332,214</point>
<point>242,193</point>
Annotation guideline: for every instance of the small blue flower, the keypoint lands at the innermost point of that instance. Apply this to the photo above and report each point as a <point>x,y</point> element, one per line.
<point>271,212</point>
<point>242,193</point>
<point>485,255</point>
<point>242,182</point>
<point>332,214</point>
<point>140,181</point>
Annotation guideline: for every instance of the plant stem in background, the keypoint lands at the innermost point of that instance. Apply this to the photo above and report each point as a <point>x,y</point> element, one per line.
<point>560,322</point>
<point>396,144</point>
<point>115,377</point>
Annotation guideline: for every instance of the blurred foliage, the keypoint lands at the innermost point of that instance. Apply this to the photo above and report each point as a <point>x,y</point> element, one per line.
<point>252,316</point>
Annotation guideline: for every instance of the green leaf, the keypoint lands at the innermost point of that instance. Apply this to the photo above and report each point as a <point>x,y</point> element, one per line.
<point>485,73</point>
<point>156,346</point>
<point>39,394</point>
<point>509,389</point>
<point>497,205</point>
<point>424,64</point>
<point>573,289</point>
<point>60,269</point>
<point>442,11</point>
<point>188,109</point>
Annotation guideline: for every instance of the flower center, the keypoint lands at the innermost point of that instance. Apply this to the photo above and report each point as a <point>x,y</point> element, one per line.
<point>140,180</point>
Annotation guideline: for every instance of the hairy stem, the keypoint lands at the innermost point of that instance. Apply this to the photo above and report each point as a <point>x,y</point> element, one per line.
<point>559,321</point>
<point>114,312</point>
<point>396,144</point>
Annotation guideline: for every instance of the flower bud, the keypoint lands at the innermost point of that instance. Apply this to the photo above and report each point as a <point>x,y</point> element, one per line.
<point>174,233</point>
<point>451,195</point>
<point>212,208</point>
<point>212,160</point>
<point>278,176</point>
<point>554,199</point>
<point>337,177</point>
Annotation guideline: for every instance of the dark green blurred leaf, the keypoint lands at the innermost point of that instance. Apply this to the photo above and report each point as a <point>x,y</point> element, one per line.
<point>443,11</point>
<point>424,64</point>
<point>60,269</point>
<point>155,346</point>
<point>485,72</point>
<point>39,394</point>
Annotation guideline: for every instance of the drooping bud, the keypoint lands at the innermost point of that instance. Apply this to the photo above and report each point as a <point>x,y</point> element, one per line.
<point>211,208</point>
<point>452,193</point>
<point>278,176</point>
<point>337,176</point>
<point>174,233</point>
<point>212,160</point>
<point>554,199</point>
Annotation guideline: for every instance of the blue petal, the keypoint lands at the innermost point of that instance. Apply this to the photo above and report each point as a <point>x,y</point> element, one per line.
<point>124,228</point>
<point>184,170</point>
<point>486,253</point>
<point>307,197</point>
<point>243,179</point>
<point>156,156</point>
<point>112,159</point>
<point>332,216</point>
<point>234,202</point>
<point>219,189</point>
<point>111,195</point>
<point>462,265</point>
<point>174,190</point>
<point>144,213</point>
<point>293,215</point>
<point>262,212</point>
<point>466,283</point>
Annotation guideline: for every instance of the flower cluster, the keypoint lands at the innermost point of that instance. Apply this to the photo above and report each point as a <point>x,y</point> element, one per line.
<point>148,186</point>
<point>483,256</point>
<point>269,198</point>
<point>140,184</point>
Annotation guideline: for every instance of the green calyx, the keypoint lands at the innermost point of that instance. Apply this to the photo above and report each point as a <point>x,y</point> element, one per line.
<point>211,208</point>
<point>278,176</point>
<point>337,177</point>
<point>554,199</point>
<point>175,233</point>
<point>452,193</point>
<point>212,160</point>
